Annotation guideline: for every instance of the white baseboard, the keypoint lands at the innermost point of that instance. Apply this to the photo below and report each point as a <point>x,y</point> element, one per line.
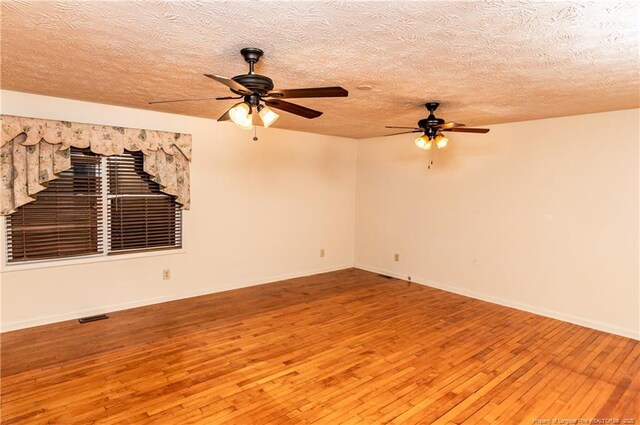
<point>582,321</point>
<point>45,320</point>
<point>629,333</point>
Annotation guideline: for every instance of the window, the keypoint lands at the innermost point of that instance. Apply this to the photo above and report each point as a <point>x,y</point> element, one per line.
<point>103,205</point>
<point>139,215</point>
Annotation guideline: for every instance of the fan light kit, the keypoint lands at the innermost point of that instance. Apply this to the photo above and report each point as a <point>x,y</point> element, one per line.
<point>257,94</point>
<point>426,143</point>
<point>432,129</point>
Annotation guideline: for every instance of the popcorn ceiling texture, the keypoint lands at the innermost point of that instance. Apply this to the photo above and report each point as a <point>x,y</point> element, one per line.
<point>487,62</point>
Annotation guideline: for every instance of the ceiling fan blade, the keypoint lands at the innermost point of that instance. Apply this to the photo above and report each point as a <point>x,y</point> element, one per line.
<point>293,108</point>
<point>467,130</point>
<point>309,92</point>
<point>450,125</point>
<point>193,100</point>
<point>404,132</point>
<point>225,116</point>
<point>408,128</point>
<point>232,84</point>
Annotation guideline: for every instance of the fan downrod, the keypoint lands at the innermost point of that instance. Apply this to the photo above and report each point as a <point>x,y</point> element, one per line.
<point>251,55</point>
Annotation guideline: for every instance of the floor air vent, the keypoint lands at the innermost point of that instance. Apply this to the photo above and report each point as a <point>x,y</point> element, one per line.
<point>93,318</point>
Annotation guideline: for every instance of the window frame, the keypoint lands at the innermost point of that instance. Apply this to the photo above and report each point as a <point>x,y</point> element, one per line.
<point>104,255</point>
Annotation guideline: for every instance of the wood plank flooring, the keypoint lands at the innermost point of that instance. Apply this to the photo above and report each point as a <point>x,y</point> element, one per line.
<point>348,347</point>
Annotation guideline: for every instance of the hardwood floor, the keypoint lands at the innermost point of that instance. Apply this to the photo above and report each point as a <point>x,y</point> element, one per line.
<point>338,348</point>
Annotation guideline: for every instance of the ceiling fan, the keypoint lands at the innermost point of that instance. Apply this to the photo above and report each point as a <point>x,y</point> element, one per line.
<point>257,93</point>
<point>432,129</point>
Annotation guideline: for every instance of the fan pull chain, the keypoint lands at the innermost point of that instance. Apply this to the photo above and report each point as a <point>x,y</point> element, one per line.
<point>255,133</point>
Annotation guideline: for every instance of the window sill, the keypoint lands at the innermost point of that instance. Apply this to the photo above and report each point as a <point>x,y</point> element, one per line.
<point>45,264</point>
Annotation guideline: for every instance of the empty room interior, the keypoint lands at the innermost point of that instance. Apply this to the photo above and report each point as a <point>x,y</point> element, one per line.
<point>320,212</point>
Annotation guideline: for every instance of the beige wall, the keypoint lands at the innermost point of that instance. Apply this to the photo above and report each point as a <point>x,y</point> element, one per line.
<point>260,212</point>
<point>539,215</point>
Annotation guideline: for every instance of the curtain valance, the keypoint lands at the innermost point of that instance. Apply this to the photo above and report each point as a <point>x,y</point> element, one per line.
<point>35,151</point>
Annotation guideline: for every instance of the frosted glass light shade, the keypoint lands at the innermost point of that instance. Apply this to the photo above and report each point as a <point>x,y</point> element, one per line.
<point>441,141</point>
<point>268,116</point>
<point>423,142</point>
<point>241,115</point>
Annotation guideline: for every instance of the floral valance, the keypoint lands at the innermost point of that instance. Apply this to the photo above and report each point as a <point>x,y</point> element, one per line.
<point>35,151</point>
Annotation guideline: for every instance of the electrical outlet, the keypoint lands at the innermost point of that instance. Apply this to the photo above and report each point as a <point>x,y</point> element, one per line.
<point>322,253</point>
<point>396,257</point>
<point>166,274</point>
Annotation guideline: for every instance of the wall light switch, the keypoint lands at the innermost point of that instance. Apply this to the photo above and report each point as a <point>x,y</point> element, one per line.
<point>166,274</point>
<point>322,253</point>
<point>396,257</point>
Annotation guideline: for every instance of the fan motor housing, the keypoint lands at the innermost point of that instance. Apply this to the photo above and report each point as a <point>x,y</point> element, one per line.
<point>430,121</point>
<point>255,83</point>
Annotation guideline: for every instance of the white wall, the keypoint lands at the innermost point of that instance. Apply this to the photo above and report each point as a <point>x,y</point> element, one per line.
<point>260,212</point>
<point>540,215</point>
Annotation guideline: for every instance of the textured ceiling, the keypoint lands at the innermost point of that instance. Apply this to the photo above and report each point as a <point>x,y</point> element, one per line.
<point>486,61</point>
